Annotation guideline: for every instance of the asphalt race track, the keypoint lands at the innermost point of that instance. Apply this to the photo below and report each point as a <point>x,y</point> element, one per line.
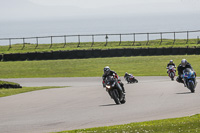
<point>86,104</point>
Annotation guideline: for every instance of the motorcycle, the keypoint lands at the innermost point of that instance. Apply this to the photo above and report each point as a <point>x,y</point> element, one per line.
<point>171,72</point>
<point>189,78</point>
<point>130,78</point>
<point>113,88</point>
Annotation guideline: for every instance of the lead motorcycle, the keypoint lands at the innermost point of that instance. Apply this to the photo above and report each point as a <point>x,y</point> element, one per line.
<point>112,87</point>
<point>171,72</point>
<point>189,78</point>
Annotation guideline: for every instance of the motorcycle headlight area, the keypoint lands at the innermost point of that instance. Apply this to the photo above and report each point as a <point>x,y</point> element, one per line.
<point>108,86</point>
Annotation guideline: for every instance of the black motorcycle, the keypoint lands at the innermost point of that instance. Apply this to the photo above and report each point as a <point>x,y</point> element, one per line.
<point>113,89</point>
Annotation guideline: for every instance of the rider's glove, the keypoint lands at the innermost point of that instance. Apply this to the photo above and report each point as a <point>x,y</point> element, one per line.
<point>181,75</point>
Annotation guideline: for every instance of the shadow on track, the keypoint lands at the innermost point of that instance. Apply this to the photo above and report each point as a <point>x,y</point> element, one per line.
<point>184,93</point>
<point>107,105</point>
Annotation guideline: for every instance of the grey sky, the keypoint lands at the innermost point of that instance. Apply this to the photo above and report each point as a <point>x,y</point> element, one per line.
<point>26,10</point>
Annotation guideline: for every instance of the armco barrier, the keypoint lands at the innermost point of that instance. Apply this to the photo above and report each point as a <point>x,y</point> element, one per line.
<point>11,57</point>
<point>1,57</point>
<point>197,50</point>
<point>79,54</point>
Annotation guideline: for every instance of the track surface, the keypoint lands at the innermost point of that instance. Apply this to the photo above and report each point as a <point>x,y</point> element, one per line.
<point>86,104</point>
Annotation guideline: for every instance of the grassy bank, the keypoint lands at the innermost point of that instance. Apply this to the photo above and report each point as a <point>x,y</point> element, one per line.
<point>19,48</point>
<point>175,125</point>
<point>139,66</point>
<point>6,83</point>
<point>8,92</point>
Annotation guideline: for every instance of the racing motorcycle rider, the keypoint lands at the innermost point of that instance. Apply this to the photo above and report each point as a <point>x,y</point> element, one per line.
<point>108,72</point>
<point>171,63</point>
<point>184,64</point>
<point>127,75</point>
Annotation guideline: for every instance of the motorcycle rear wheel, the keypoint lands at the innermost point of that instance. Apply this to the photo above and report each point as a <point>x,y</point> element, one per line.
<point>123,100</point>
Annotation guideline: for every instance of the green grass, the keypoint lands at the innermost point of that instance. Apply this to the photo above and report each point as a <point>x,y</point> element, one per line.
<point>175,125</point>
<point>19,48</point>
<point>6,82</point>
<point>9,92</point>
<point>93,67</point>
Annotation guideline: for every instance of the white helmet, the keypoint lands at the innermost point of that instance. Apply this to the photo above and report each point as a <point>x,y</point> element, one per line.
<point>171,62</point>
<point>106,70</point>
<point>183,62</point>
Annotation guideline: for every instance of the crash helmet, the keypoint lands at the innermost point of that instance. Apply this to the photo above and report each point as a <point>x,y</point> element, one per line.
<point>183,62</point>
<point>106,70</point>
<point>171,62</point>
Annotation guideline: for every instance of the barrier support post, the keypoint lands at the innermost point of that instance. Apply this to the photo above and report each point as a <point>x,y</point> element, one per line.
<point>10,43</point>
<point>65,41</point>
<point>187,37</point>
<point>174,37</point>
<point>51,42</point>
<point>147,39</point>
<point>23,43</point>
<point>92,40</point>
<point>120,39</point>
<point>160,38</point>
<point>133,39</point>
<point>36,42</point>
<point>79,41</point>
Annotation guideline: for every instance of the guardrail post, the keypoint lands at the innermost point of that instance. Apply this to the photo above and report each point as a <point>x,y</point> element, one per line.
<point>23,43</point>
<point>160,38</point>
<point>174,37</point>
<point>65,41</point>
<point>133,39</point>
<point>120,39</point>
<point>106,40</point>
<point>92,40</point>
<point>147,39</point>
<point>36,42</point>
<point>187,37</point>
<point>10,43</point>
<point>198,42</point>
<point>51,42</point>
<point>79,41</point>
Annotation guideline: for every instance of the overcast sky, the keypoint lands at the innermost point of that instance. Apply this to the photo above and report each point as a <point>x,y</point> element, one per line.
<point>26,10</point>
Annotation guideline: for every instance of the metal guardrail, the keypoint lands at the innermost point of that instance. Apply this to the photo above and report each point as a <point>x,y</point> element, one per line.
<point>103,35</point>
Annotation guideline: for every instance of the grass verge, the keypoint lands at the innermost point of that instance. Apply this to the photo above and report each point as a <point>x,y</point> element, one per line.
<point>6,84</point>
<point>8,92</point>
<point>175,125</point>
<point>19,48</point>
<point>93,67</point>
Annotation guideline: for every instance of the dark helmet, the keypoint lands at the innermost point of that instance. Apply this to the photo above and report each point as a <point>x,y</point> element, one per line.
<point>106,70</point>
<point>183,62</point>
<point>171,62</point>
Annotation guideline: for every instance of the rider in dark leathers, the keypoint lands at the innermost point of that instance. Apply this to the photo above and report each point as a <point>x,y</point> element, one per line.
<point>108,72</point>
<point>127,75</point>
<point>184,64</point>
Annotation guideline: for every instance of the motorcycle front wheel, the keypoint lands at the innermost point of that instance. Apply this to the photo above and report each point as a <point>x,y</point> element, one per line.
<point>116,96</point>
<point>191,87</point>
